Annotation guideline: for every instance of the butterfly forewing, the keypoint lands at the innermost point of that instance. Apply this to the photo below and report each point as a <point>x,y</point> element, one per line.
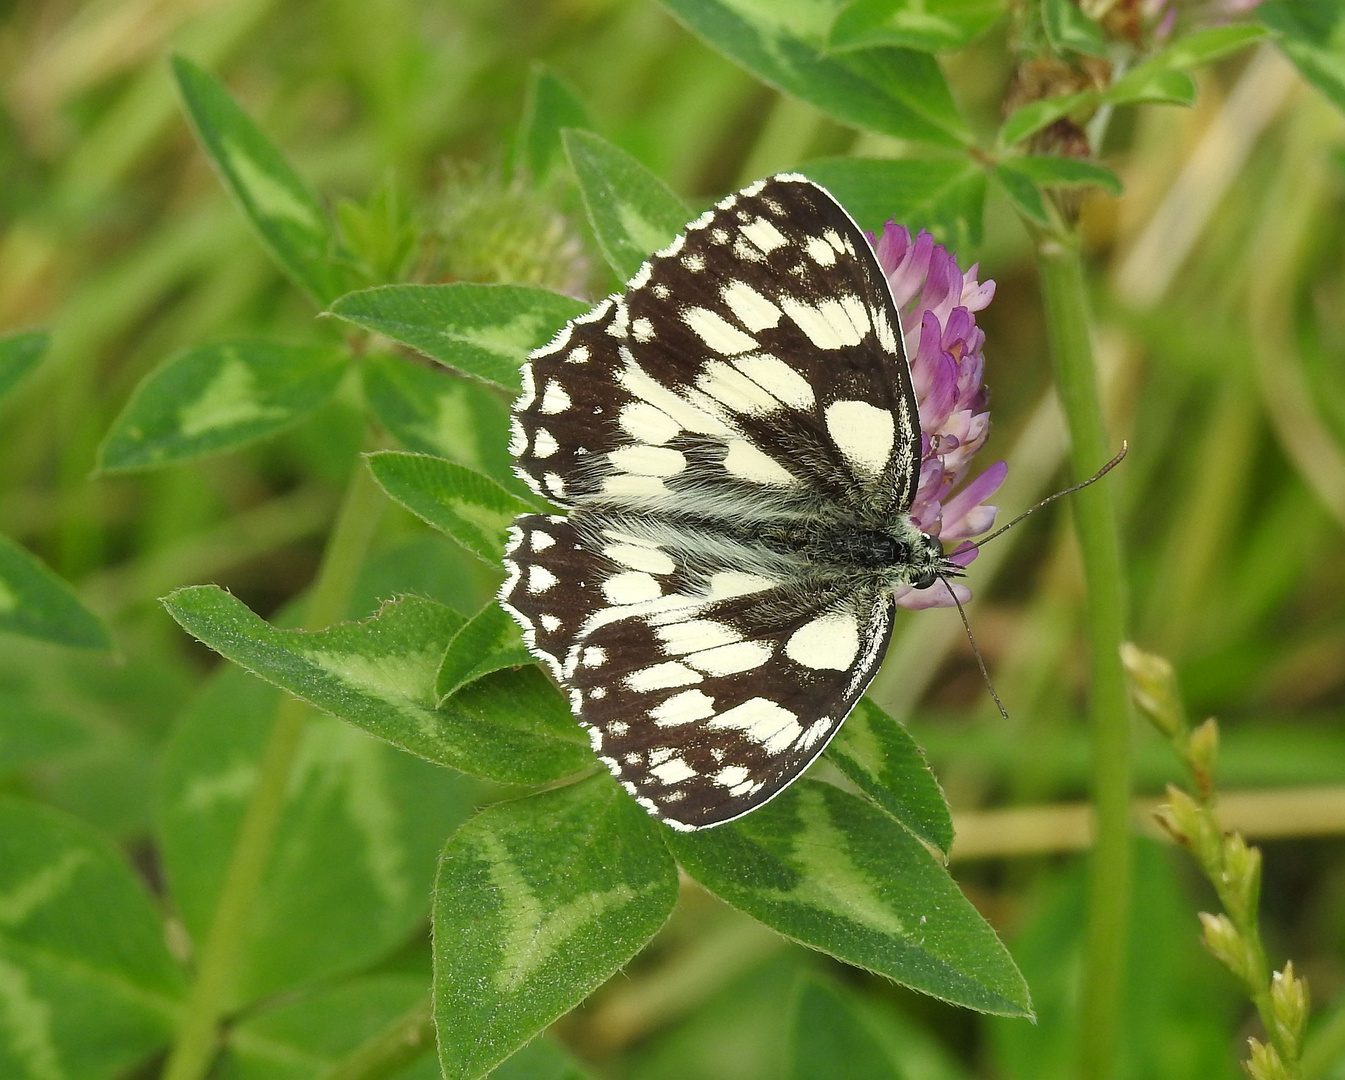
<point>761,350</point>
<point>748,389</point>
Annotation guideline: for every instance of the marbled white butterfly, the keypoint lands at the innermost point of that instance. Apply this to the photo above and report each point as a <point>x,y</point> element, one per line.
<point>735,442</point>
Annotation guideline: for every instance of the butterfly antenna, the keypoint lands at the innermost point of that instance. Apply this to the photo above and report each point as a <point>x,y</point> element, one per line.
<point>1052,498</point>
<point>975,651</point>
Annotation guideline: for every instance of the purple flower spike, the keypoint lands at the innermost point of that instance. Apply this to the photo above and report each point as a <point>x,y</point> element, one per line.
<point>938,302</point>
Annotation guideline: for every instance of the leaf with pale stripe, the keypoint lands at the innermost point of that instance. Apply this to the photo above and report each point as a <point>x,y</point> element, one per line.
<point>291,224</point>
<point>484,331</point>
<point>832,871</point>
<point>538,902</point>
<point>631,210</point>
<point>380,675</point>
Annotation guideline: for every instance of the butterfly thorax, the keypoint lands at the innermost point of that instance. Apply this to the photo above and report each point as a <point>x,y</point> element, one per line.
<point>905,555</point>
<point>822,549</point>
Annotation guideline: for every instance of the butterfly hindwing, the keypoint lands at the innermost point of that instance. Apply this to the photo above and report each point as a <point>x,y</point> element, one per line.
<point>706,688</point>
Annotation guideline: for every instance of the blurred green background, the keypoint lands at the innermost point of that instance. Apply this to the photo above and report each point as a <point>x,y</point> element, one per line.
<point>1219,295</point>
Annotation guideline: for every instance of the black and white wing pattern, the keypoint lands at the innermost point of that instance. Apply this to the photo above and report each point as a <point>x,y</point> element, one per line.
<point>719,435</point>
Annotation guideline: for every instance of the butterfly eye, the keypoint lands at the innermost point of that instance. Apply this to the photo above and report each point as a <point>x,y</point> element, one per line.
<point>925,580</point>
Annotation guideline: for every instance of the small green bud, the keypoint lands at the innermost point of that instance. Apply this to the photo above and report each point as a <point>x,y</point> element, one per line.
<point>1264,1062</point>
<point>1289,1006</point>
<point>1222,939</point>
<point>1190,824</point>
<point>1202,749</point>
<point>1153,686</point>
<point>1239,883</point>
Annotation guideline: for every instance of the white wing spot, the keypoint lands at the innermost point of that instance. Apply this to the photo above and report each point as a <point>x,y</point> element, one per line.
<point>730,583</point>
<point>731,776</point>
<point>540,541</point>
<point>815,731</point>
<point>648,460</point>
<point>662,677</point>
<point>579,355</point>
<point>828,325</point>
<point>731,388</point>
<point>856,312</point>
<point>554,485</point>
<point>593,656</point>
<point>829,641</point>
<point>555,399</point>
<point>631,587</point>
<point>544,444</point>
<point>820,251</point>
<point>540,579</point>
<point>746,252</point>
<point>695,635</point>
<point>719,334</point>
<point>551,623</point>
<point>764,235</point>
<point>886,338</point>
<point>695,262</point>
<point>731,659</point>
<point>747,462</point>
<point>650,560</point>
<point>643,329</point>
<point>683,708</point>
<point>673,771</point>
<point>765,722</point>
<point>752,309</point>
<point>864,433</point>
<point>774,375</point>
<point>648,424</point>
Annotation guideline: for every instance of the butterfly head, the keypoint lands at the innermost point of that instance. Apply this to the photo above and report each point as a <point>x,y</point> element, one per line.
<point>930,564</point>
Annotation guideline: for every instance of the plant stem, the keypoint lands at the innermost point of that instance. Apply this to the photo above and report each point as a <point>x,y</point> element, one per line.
<point>1063,291</point>
<point>196,1042</point>
<point>399,1044</point>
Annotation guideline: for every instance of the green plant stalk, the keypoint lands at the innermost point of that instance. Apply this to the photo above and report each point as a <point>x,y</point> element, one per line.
<point>404,1041</point>
<point>195,1046</point>
<point>1067,320</point>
